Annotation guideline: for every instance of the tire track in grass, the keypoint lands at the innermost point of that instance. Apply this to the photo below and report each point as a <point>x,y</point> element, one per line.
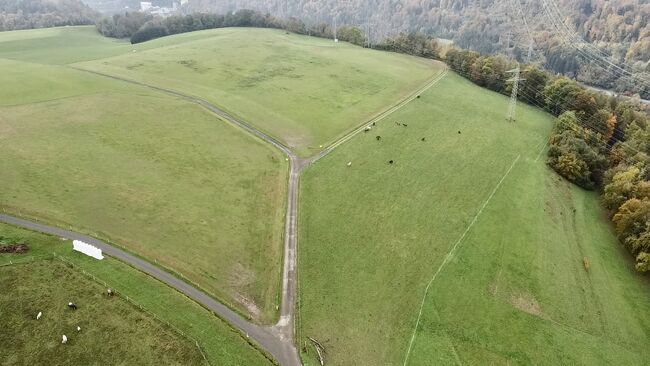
<point>451,253</point>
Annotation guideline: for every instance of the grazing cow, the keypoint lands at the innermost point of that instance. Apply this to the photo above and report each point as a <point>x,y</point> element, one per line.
<point>418,97</point>
<point>349,164</point>
<point>72,306</point>
<point>109,292</point>
<point>423,139</point>
<point>38,316</point>
<point>459,132</point>
<point>64,339</point>
<point>390,162</point>
<point>397,123</point>
<point>405,125</point>
<point>378,138</point>
<point>368,128</point>
<point>374,124</point>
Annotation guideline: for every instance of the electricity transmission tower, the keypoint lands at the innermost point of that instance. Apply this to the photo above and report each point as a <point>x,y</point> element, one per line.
<point>530,51</point>
<point>512,108</point>
<point>368,30</point>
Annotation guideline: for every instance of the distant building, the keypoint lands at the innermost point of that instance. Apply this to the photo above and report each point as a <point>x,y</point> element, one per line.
<point>145,5</point>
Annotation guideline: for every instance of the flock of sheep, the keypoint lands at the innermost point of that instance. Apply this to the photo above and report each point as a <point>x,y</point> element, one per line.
<point>71,306</point>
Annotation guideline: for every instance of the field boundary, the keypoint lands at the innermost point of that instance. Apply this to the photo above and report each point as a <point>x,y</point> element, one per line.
<point>451,253</point>
<point>105,238</point>
<point>25,260</point>
<point>130,301</point>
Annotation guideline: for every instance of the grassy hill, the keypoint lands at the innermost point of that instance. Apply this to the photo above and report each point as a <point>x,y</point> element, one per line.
<point>514,289</point>
<point>304,91</point>
<point>113,331</point>
<point>163,177</point>
<point>160,176</point>
<point>66,45</point>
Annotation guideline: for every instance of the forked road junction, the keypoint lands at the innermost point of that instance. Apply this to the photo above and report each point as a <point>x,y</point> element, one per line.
<point>277,340</point>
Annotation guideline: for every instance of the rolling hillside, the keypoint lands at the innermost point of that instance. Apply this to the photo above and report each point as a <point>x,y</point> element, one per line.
<point>469,210</point>
<point>438,236</point>
<point>303,91</point>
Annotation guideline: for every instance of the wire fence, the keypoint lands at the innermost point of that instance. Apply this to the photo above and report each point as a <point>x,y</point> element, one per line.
<point>28,259</point>
<point>134,303</point>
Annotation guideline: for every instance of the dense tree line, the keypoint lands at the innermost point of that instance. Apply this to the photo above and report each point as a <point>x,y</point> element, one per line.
<point>28,14</point>
<point>122,25</point>
<point>619,30</point>
<point>141,27</point>
<point>598,142</point>
<point>415,44</point>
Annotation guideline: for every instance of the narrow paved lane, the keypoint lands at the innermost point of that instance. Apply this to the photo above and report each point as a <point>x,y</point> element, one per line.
<point>277,340</point>
<point>282,351</point>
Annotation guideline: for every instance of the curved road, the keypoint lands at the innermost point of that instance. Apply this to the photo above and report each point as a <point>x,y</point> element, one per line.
<point>277,340</point>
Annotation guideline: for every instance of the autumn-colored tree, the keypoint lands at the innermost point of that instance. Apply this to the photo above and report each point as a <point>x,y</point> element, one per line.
<point>643,262</point>
<point>632,224</point>
<point>571,167</point>
<point>622,187</point>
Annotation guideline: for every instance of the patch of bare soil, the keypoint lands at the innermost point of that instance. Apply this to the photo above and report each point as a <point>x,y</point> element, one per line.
<point>241,278</point>
<point>527,304</point>
<point>249,304</point>
<point>14,248</point>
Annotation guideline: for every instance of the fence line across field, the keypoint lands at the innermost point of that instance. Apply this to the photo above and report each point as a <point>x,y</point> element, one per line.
<point>24,260</point>
<point>134,303</point>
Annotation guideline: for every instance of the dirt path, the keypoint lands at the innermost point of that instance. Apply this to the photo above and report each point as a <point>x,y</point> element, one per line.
<point>278,340</point>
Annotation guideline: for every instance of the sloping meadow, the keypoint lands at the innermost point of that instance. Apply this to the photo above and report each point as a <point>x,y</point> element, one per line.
<point>157,175</point>
<point>302,90</point>
<point>446,196</point>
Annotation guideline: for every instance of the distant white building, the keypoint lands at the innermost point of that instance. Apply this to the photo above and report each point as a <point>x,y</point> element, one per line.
<point>145,5</point>
<point>164,12</point>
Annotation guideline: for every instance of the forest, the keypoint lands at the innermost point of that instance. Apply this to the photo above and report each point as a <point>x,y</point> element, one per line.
<point>28,14</point>
<point>139,27</point>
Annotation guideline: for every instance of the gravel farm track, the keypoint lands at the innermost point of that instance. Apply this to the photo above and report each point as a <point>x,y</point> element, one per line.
<point>278,340</point>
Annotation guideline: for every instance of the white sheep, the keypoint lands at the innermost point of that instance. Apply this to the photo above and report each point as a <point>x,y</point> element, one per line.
<point>349,164</point>
<point>78,328</point>
<point>64,340</point>
<point>38,316</point>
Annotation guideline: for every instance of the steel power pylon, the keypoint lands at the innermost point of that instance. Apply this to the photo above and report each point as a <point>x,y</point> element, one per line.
<point>515,79</point>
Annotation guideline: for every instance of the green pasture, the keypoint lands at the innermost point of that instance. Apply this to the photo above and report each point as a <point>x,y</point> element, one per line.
<point>302,90</point>
<point>515,291</point>
<point>113,330</point>
<point>157,175</point>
